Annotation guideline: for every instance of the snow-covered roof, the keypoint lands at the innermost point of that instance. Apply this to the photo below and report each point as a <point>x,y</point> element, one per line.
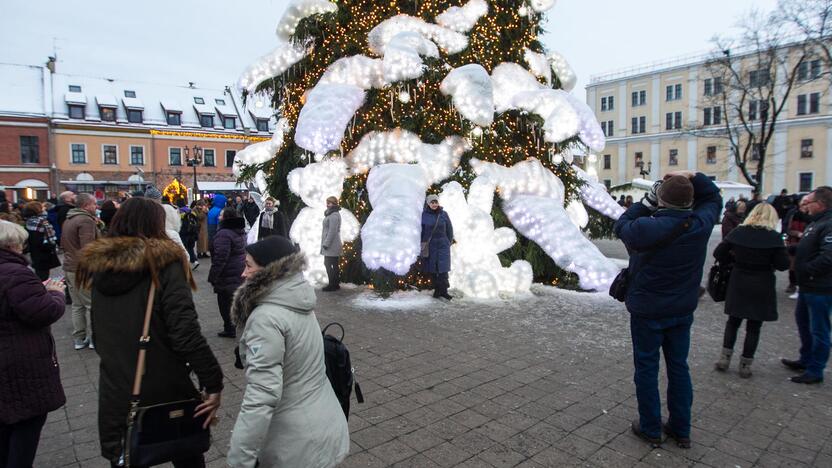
<point>75,98</point>
<point>106,100</point>
<point>22,90</point>
<point>133,103</point>
<point>170,105</point>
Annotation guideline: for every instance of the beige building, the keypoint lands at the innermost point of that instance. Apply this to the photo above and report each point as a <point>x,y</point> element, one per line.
<point>648,114</point>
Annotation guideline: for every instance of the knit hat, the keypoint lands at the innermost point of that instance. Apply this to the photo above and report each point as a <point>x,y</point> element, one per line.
<point>332,200</point>
<point>431,198</point>
<point>676,192</point>
<point>271,249</point>
<point>153,193</point>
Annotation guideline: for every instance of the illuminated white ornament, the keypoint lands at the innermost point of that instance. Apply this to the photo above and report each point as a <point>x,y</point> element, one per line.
<point>298,10</point>
<point>404,96</point>
<point>325,116</point>
<point>261,152</point>
<point>590,130</point>
<point>462,19</point>
<point>359,70</point>
<point>523,11</point>
<point>473,97</point>
<point>566,75</point>
<point>475,267</point>
<point>560,120</point>
<point>403,56</point>
<point>533,201</point>
<point>272,64</point>
<point>577,214</point>
<point>592,159</point>
<point>542,5</point>
<point>557,159</point>
<point>509,79</point>
<point>595,195</point>
<point>450,41</point>
<point>313,184</point>
<point>538,65</point>
<point>476,132</point>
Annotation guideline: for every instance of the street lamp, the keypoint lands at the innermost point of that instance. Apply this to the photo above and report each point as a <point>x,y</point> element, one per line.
<point>194,161</point>
<point>641,170</point>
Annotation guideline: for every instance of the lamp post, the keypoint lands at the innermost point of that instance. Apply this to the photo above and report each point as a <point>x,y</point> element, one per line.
<point>193,162</point>
<point>641,170</point>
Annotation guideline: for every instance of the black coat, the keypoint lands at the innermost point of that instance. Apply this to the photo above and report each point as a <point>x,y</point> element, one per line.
<point>228,256</point>
<point>119,270</point>
<point>44,255</point>
<point>755,253</point>
<point>813,259</point>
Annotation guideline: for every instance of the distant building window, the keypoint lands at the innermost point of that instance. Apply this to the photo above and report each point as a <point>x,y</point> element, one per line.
<point>668,121</point>
<point>206,120</point>
<point>806,182</point>
<point>639,125</point>
<point>79,153</point>
<point>807,148</point>
<point>639,98</point>
<point>717,115</point>
<point>758,109</point>
<point>673,158</point>
<point>199,100</point>
<point>74,88</point>
<point>815,69</point>
<point>608,103</point>
<point>29,150</point>
<point>174,118</point>
<point>134,116</point>
<point>677,120</point>
<point>229,157</point>
<point>76,112</point>
<point>756,151</point>
<point>108,114</point>
<point>717,85</point>
<point>673,92</point>
<point>710,155</point>
<point>759,78</point>
<point>639,159</point>
<point>262,125</point>
<point>229,123</point>
<point>713,115</point>
<point>208,157</point>
<point>110,154</point>
<point>808,104</point>
<point>814,103</point>
<point>604,128</point>
<point>709,87</point>
<point>607,161</point>
<point>610,128</point>
<point>809,70</point>
<point>175,156</point>
<point>129,93</point>
<point>220,102</point>
<point>137,155</point>
<point>678,92</point>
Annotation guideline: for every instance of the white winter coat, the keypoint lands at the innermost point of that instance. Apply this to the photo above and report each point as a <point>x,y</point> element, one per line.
<point>173,222</point>
<point>290,416</point>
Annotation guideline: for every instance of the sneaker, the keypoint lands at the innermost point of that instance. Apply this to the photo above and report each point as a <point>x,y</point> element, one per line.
<point>91,344</point>
<point>195,265</point>
<point>654,442</point>
<point>791,289</point>
<point>80,344</point>
<point>793,296</point>
<point>806,379</point>
<point>681,442</point>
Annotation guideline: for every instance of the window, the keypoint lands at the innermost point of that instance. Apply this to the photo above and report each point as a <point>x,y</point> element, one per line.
<point>635,98</point>
<point>639,159</point>
<point>713,115</point>
<point>109,154</point>
<point>807,148</point>
<point>752,110</point>
<point>76,112</point>
<point>604,128</point>
<point>199,100</point>
<point>607,161</point>
<point>803,71</point>
<point>808,104</point>
<point>74,88</point>
<point>673,158</point>
<point>678,92</point>
<point>673,92</point>
<point>709,87</point>
<point>639,125</point>
<point>756,151</point>
<point>174,118</point>
<point>604,104</point>
<point>814,103</point>
<point>610,128</point>
<point>635,125</point>
<point>668,121</point>
<point>208,158</point>
<point>717,115</point>
<point>806,181</point>
<point>137,155</point>
<point>29,150</point>
<point>206,120</point>
<point>717,85</point>
<point>129,93</point>
<point>710,155</point>
<point>134,116</point>
<point>815,69</point>
<point>79,153</point>
<point>707,116</point>
<point>229,157</point>
<point>229,123</point>
<point>758,78</point>
<point>677,120</point>
<point>220,102</point>
<point>639,98</point>
<point>108,114</point>
<point>175,156</point>
<point>801,104</point>
<point>668,93</point>
<point>809,70</point>
<point>262,125</point>
<point>611,103</point>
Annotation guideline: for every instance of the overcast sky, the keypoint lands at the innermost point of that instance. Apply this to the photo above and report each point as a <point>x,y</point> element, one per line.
<point>210,42</point>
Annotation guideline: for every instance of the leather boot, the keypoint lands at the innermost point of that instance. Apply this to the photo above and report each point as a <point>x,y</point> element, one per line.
<point>745,367</point>
<point>724,360</point>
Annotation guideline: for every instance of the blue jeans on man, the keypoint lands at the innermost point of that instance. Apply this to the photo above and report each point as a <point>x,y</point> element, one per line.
<point>672,336</point>
<point>812,317</point>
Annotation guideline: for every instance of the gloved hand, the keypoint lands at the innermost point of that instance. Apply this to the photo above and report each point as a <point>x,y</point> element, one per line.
<point>651,200</point>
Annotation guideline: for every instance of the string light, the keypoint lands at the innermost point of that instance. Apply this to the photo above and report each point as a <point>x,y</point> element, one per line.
<point>216,136</point>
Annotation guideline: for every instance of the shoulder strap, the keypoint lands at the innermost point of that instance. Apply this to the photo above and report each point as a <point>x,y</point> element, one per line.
<point>651,251</point>
<point>434,227</point>
<point>144,340</point>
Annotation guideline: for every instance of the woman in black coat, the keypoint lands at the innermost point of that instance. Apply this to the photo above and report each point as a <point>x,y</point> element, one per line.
<point>42,240</point>
<point>755,249</point>
<point>119,270</point>
<point>228,260</point>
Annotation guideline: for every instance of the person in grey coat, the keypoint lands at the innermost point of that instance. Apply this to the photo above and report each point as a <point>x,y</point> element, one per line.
<point>331,246</point>
<point>289,416</point>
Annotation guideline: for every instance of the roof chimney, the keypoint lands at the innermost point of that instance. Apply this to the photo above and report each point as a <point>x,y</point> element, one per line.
<point>50,64</point>
<point>191,84</point>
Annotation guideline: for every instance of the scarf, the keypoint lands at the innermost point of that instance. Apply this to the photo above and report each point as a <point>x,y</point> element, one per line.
<point>267,218</point>
<point>40,224</point>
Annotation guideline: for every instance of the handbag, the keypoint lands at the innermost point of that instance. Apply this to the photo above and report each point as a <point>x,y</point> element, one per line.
<point>619,286</point>
<point>424,250</point>
<point>718,279</point>
<point>161,433</point>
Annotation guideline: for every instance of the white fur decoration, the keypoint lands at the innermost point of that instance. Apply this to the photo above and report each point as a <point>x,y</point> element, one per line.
<point>577,214</point>
<point>564,72</point>
<point>451,41</point>
<point>538,64</point>
<point>324,117</point>
<point>542,5</point>
<point>272,64</point>
<point>298,10</point>
<point>560,119</point>
<point>402,56</point>
<point>462,19</point>
<point>509,79</point>
<point>595,195</point>
<point>590,130</point>
<point>263,151</point>
<point>473,96</point>
<point>357,70</point>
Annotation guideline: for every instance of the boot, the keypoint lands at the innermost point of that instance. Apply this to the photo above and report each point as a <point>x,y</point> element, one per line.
<point>724,360</point>
<point>745,367</point>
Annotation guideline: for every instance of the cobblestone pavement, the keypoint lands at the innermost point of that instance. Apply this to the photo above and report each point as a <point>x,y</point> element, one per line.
<point>537,382</point>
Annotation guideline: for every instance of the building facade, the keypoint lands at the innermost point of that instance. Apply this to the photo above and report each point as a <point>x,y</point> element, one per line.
<point>649,115</point>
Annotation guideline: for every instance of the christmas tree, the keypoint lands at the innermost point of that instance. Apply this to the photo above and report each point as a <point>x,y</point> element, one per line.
<point>382,101</point>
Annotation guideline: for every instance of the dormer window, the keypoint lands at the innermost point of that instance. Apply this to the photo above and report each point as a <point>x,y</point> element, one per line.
<point>74,88</point>
<point>108,114</point>
<point>262,125</point>
<point>229,123</point>
<point>199,100</point>
<point>220,102</point>
<point>76,112</point>
<point>134,116</point>
<point>206,120</point>
<point>174,118</point>
<point>129,93</point>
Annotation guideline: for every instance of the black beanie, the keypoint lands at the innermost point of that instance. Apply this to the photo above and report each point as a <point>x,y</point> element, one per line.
<point>271,249</point>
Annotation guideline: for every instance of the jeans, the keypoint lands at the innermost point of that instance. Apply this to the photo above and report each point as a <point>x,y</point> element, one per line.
<point>752,335</point>
<point>672,335</point>
<point>81,306</point>
<point>440,284</point>
<point>19,442</point>
<point>224,299</point>
<point>333,271</point>
<point>812,317</point>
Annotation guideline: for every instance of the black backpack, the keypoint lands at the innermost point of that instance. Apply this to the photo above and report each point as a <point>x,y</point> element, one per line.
<point>190,224</point>
<point>339,369</point>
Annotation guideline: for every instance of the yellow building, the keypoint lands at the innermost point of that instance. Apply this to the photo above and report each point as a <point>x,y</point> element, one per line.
<point>648,114</point>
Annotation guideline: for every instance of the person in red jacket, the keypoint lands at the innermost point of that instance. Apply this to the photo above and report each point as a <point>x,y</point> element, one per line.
<point>30,380</point>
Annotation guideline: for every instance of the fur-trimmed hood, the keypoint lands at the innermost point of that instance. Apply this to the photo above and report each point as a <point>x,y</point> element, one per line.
<point>127,260</point>
<point>280,283</point>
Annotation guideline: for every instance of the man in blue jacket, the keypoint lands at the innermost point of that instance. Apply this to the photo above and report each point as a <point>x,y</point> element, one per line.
<point>667,237</point>
<point>214,217</point>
